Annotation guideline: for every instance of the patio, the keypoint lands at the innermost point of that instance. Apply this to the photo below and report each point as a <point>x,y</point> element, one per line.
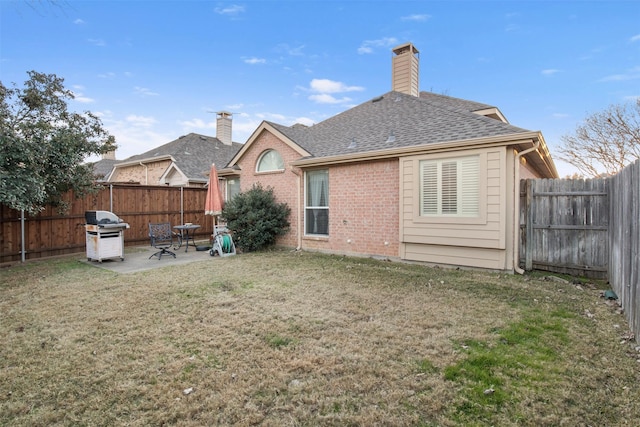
<point>136,258</point>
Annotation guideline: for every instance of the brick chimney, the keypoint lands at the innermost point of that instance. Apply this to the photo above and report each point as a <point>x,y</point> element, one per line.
<point>405,69</point>
<point>223,127</point>
<point>109,155</point>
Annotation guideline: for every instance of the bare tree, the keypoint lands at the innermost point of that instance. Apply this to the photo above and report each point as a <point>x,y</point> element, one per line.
<point>606,142</point>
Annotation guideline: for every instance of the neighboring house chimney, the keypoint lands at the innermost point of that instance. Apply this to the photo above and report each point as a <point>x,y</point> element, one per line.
<point>223,127</point>
<point>109,155</point>
<point>404,69</point>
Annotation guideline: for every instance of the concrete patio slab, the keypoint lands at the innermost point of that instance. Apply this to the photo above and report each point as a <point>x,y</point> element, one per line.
<point>136,258</point>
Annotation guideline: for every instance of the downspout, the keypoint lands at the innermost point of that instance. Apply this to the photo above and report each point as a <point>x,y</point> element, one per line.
<point>516,204</point>
<point>297,174</point>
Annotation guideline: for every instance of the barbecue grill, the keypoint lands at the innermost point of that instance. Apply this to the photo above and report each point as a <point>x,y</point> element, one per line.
<point>104,235</point>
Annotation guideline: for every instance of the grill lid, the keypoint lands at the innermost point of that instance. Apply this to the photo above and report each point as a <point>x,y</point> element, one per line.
<point>101,218</point>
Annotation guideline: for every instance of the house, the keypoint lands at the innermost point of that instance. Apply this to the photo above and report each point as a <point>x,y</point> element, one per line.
<point>185,161</point>
<point>103,167</point>
<point>408,175</point>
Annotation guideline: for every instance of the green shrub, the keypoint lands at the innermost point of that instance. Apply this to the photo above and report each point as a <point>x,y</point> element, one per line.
<point>256,219</point>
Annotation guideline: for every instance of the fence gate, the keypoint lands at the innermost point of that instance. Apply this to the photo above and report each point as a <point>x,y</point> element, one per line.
<point>564,226</point>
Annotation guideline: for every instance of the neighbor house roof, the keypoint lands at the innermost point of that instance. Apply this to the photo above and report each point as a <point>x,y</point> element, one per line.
<point>192,154</point>
<point>102,168</point>
<point>397,120</point>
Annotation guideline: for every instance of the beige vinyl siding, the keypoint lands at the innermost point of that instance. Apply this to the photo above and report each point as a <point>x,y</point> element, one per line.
<point>492,259</point>
<point>479,241</point>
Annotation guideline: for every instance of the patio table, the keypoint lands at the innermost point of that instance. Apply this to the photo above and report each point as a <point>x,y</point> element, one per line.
<point>184,232</point>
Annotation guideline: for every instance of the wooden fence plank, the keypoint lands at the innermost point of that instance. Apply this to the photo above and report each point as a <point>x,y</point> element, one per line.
<point>50,233</point>
<point>566,226</point>
<point>624,239</point>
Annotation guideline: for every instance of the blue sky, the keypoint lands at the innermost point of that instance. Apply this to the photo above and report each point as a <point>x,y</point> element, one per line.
<point>156,70</point>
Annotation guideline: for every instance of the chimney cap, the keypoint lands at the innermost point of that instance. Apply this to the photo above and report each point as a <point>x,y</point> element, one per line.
<point>404,48</point>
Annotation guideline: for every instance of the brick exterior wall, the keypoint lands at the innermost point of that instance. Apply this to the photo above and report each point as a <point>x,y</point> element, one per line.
<point>284,183</point>
<point>363,210</point>
<point>363,201</point>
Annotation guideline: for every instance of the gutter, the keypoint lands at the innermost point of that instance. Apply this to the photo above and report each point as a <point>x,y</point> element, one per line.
<point>466,144</point>
<point>516,205</point>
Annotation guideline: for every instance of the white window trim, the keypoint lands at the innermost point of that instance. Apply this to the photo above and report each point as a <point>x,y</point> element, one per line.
<point>262,156</point>
<point>466,198</point>
<point>481,218</point>
<point>306,207</point>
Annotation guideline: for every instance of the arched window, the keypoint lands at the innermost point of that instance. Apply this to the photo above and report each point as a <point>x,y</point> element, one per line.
<point>270,160</point>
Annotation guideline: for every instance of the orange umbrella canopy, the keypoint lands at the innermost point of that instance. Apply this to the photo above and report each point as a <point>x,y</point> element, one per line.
<point>214,203</point>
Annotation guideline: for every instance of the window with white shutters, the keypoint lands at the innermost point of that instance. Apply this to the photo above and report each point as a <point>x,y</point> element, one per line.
<point>450,187</point>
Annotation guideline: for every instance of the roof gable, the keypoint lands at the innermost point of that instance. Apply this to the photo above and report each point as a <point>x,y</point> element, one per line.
<point>284,133</point>
<point>193,154</point>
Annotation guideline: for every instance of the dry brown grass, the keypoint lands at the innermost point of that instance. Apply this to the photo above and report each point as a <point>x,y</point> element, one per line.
<point>283,338</point>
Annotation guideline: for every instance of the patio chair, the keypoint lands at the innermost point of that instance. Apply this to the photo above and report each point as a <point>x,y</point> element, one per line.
<point>162,237</point>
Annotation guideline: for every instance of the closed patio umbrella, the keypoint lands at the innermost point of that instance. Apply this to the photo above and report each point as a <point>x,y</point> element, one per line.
<point>222,243</point>
<point>214,202</point>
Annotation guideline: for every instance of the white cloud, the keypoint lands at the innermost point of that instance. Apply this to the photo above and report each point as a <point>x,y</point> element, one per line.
<point>140,121</point>
<point>194,124</point>
<point>78,21</point>
<point>330,86</point>
<point>233,107</point>
<point>253,61</point>
<point>560,115</point>
<point>132,136</point>
<point>97,42</point>
<point>416,17</point>
<point>234,9</point>
<point>325,98</point>
<point>83,99</point>
<point>243,128</point>
<point>289,50</point>
<point>631,74</point>
<point>271,116</point>
<point>78,96</point>
<point>635,38</point>
<point>510,28</point>
<point>109,75</point>
<point>143,91</point>
<point>305,121</point>
<point>549,72</point>
<point>368,46</point>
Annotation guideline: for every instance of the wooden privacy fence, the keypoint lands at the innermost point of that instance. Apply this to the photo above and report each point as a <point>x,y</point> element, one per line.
<point>624,242</point>
<point>564,226</point>
<point>49,233</point>
<point>588,228</point>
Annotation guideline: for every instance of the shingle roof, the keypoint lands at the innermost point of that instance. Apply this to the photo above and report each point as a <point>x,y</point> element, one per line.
<point>412,121</point>
<point>193,154</point>
<point>452,102</point>
<point>102,168</point>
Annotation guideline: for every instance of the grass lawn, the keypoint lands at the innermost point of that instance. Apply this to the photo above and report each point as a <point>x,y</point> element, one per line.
<point>301,339</point>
